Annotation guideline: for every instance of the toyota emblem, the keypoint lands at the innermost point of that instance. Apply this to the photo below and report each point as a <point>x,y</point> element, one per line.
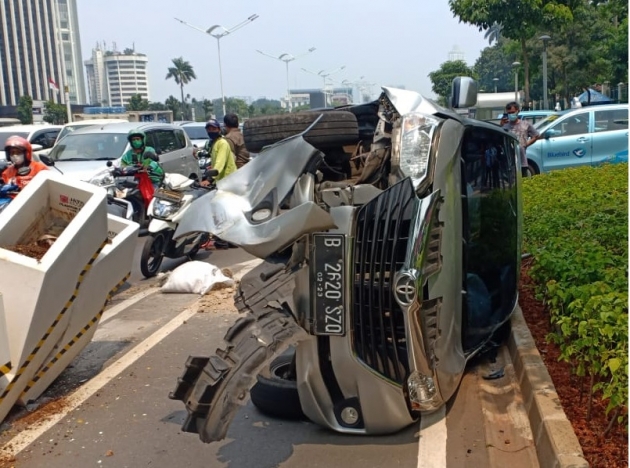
<point>405,289</point>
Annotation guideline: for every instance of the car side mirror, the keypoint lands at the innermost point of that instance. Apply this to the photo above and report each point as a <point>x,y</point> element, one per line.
<point>46,160</point>
<point>463,92</point>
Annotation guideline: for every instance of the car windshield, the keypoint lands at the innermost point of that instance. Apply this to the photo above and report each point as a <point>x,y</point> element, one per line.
<point>5,135</point>
<point>196,132</point>
<point>544,123</point>
<point>69,129</point>
<point>90,146</point>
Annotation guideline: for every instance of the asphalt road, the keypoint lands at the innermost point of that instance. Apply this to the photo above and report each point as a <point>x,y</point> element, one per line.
<point>111,407</point>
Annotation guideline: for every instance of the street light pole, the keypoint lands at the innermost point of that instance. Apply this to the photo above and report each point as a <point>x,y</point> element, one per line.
<point>286,58</point>
<point>545,38</point>
<point>218,35</point>
<point>324,74</point>
<point>496,80</point>
<point>516,65</point>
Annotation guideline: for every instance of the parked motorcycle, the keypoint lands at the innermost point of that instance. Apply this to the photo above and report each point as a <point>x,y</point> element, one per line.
<point>170,203</point>
<point>385,284</point>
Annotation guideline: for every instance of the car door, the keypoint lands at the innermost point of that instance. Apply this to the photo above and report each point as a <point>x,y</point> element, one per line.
<point>166,144</point>
<point>610,136</point>
<point>190,165</point>
<point>567,142</point>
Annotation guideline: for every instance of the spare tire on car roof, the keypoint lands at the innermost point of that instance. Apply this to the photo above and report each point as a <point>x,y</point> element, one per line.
<point>334,129</point>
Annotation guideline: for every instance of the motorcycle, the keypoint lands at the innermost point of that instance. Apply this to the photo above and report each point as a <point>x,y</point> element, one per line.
<point>7,191</point>
<point>170,203</point>
<point>132,185</point>
<point>384,286</point>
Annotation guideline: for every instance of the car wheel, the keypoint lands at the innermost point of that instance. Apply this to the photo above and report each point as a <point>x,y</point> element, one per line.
<point>334,129</point>
<point>277,395</point>
<point>531,169</point>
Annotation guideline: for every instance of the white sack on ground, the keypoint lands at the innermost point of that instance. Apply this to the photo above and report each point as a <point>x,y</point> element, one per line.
<point>196,278</point>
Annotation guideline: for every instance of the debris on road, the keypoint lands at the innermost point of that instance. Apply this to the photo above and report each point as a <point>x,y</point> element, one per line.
<point>196,278</point>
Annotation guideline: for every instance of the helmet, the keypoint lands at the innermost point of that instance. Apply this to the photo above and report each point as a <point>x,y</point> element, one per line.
<point>137,133</point>
<point>213,123</point>
<point>21,143</point>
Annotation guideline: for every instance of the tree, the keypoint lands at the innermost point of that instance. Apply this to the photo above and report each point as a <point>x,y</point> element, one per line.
<point>137,103</point>
<point>520,20</point>
<point>182,73</point>
<point>173,105</point>
<point>25,109</point>
<point>207,107</point>
<point>495,62</point>
<point>493,33</point>
<point>157,106</point>
<point>55,113</point>
<point>442,79</point>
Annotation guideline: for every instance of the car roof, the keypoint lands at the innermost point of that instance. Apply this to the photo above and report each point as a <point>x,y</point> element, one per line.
<point>124,127</point>
<point>95,122</point>
<point>30,128</point>
<point>537,112</point>
<point>193,124</point>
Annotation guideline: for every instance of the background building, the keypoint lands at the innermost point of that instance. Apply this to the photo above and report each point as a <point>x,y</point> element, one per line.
<point>68,33</point>
<point>456,54</point>
<point>39,51</point>
<point>113,77</point>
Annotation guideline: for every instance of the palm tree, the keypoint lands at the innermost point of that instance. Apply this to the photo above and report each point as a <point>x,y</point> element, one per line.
<point>493,33</point>
<point>182,72</point>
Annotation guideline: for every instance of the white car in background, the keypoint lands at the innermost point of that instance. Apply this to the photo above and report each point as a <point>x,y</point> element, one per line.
<point>41,136</point>
<point>72,126</point>
<point>196,131</point>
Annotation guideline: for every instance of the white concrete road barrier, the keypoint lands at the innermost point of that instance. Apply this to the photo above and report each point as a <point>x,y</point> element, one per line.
<point>40,283</point>
<point>105,276</point>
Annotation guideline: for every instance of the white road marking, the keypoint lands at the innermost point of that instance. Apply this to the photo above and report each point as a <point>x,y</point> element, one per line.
<point>432,444</point>
<point>241,269</point>
<point>28,436</point>
<point>118,308</point>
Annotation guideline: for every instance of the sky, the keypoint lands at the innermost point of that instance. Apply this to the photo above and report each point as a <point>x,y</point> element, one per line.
<point>392,43</point>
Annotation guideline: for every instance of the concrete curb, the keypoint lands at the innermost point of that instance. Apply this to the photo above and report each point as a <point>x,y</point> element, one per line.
<point>557,446</point>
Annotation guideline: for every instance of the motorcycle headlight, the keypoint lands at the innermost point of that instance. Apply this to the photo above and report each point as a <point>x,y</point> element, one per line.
<point>164,208</point>
<point>102,178</point>
<point>412,154</point>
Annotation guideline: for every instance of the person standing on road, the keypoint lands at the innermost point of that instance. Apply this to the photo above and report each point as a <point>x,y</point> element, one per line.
<point>235,138</point>
<point>221,157</point>
<point>522,129</point>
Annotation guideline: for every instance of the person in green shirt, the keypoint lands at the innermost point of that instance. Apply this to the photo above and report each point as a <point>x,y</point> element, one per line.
<point>221,157</point>
<point>141,154</point>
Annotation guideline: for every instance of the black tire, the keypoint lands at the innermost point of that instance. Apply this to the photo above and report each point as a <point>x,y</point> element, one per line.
<point>277,395</point>
<point>335,129</point>
<point>532,168</point>
<point>152,255</point>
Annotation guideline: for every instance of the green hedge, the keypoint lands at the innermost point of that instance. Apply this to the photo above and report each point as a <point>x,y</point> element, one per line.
<point>576,227</point>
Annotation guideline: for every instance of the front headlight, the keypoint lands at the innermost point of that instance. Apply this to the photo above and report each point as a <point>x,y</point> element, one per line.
<point>414,147</point>
<point>102,178</point>
<point>164,208</point>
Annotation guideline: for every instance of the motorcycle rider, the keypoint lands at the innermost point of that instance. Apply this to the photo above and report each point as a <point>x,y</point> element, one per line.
<point>221,156</point>
<point>23,168</point>
<point>235,138</point>
<point>142,155</point>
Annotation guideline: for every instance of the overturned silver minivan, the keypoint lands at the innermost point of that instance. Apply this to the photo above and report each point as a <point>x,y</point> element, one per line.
<point>383,275</point>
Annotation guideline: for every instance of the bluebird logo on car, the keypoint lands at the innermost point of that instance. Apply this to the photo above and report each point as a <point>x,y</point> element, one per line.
<point>579,152</point>
<point>558,154</point>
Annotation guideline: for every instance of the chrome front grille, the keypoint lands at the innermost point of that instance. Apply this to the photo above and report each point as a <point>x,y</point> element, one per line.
<point>381,239</point>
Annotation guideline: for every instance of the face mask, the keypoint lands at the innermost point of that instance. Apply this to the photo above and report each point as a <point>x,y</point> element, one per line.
<point>17,159</point>
<point>213,135</point>
<point>512,117</point>
<point>137,144</point>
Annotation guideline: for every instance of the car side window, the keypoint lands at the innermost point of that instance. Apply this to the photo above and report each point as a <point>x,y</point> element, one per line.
<point>44,139</point>
<point>611,120</point>
<point>573,125</point>
<point>165,141</point>
<point>181,138</point>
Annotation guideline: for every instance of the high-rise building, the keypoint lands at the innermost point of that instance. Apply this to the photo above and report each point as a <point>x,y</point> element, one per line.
<point>40,51</point>
<point>68,31</point>
<point>113,77</point>
<point>456,54</point>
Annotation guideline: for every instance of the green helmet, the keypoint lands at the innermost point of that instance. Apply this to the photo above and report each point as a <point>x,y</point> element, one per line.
<point>137,133</point>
